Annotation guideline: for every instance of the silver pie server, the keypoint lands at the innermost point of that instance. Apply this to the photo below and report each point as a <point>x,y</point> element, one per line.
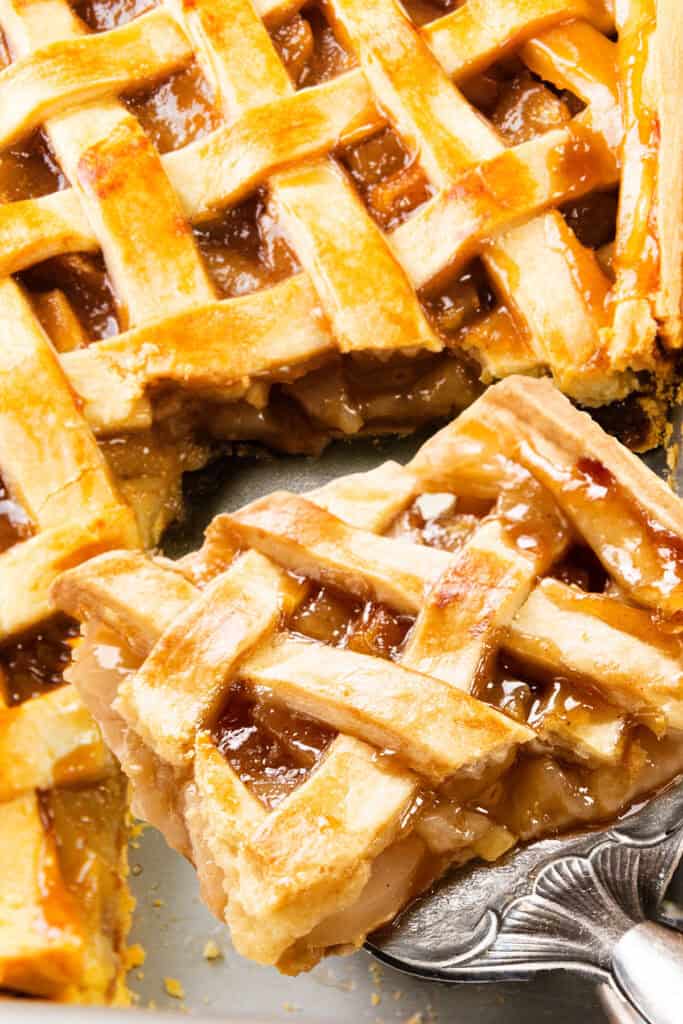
<point>589,903</point>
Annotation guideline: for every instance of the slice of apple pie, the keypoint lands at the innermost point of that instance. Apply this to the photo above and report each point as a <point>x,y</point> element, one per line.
<point>344,694</point>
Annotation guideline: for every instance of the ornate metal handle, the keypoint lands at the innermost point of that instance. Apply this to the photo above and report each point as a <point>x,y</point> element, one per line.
<point>647,964</point>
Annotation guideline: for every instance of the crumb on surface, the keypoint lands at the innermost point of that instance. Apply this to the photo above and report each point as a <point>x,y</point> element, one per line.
<point>375,999</point>
<point>375,972</point>
<point>134,956</point>
<point>174,988</point>
<point>212,950</point>
<point>158,903</point>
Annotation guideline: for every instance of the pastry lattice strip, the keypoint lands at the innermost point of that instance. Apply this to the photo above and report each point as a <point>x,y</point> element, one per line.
<point>189,653</point>
<point>156,269</point>
<point>52,465</point>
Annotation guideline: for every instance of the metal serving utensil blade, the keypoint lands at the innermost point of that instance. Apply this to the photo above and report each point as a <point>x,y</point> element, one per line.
<point>584,903</point>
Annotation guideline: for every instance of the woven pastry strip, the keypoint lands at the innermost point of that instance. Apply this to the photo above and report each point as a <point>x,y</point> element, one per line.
<point>412,750</point>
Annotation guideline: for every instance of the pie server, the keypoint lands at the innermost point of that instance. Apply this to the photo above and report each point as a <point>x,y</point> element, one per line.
<point>584,903</point>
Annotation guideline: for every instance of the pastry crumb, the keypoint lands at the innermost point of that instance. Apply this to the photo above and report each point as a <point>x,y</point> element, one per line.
<point>375,999</point>
<point>158,903</point>
<point>212,950</point>
<point>375,973</point>
<point>174,988</point>
<point>134,956</point>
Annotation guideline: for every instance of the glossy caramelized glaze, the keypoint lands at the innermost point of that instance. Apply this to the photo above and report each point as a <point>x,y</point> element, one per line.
<point>310,50</point>
<point>14,523</point>
<point>246,249</point>
<point>34,663</point>
<point>271,749</point>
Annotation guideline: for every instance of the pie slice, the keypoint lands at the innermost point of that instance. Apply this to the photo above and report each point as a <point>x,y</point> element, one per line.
<point>284,222</point>
<point>343,694</point>
<point>64,905</point>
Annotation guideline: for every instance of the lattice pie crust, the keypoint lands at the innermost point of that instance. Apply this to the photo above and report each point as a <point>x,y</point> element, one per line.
<point>502,112</point>
<point>417,177</point>
<point>345,693</point>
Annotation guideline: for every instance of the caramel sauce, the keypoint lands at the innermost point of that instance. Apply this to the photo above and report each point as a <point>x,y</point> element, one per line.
<point>424,11</point>
<point>483,90</point>
<point>272,750</point>
<point>333,617</point>
<point>310,50</point>
<point>580,567</point>
<point>245,249</point>
<point>598,484</point>
<point>455,304</point>
<point>440,521</point>
<point>530,517</point>
<point>88,825</point>
<point>325,616</point>
<point>593,218</point>
<point>14,523</point>
<point>507,689</point>
<point>389,180</point>
<point>177,111</point>
<point>34,662</point>
<point>378,631</point>
<point>526,108</point>
<point>59,909</point>
<point>84,280</point>
<point>100,15</point>
<point>29,169</point>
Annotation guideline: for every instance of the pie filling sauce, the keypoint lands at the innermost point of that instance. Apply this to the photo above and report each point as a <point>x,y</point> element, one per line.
<point>14,523</point>
<point>34,663</point>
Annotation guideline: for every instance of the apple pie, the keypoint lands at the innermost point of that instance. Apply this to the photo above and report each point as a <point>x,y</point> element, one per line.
<point>345,693</point>
<point>282,222</point>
